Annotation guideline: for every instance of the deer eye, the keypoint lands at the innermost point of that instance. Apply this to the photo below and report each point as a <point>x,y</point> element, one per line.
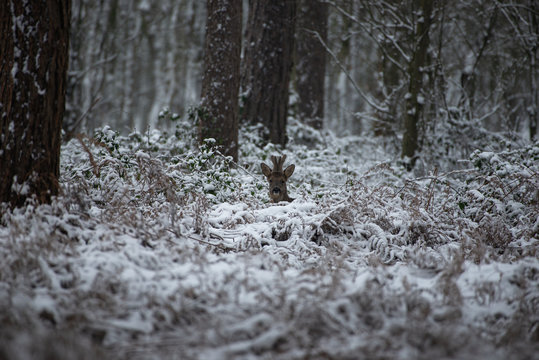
<point>282,182</point>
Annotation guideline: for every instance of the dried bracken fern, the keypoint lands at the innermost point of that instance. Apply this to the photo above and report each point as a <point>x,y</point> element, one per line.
<point>158,248</point>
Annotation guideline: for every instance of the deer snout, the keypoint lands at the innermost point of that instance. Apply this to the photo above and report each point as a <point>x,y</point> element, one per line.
<point>276,190</point>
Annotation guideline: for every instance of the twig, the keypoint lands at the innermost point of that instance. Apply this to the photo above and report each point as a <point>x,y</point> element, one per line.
<point>69,134</point>
<point>354,84</point>
<point>215,236</point>
<point>217,152</point>
<point>95,167</point>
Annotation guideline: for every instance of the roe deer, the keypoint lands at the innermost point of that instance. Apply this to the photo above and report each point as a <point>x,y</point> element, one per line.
<point>277,178</point>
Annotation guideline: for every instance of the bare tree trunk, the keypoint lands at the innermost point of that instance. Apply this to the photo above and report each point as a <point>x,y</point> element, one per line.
<point>414,104</point>
<point>312,25</point>
<point>267,65</point>
<point>220,84</point>
<point>534,98</point>
<point>532,54</point>
<point>34,42</point>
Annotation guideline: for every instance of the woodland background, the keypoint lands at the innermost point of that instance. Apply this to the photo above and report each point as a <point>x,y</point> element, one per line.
<point>131,59</point>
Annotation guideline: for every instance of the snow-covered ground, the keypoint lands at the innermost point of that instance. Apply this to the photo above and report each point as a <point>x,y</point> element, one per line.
<point>159,250</point>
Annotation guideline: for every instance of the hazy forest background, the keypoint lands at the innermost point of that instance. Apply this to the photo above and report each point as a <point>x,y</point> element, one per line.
<point>131,59</point>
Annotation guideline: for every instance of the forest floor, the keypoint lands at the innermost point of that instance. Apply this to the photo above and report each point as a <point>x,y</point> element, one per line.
<point>158,249</point>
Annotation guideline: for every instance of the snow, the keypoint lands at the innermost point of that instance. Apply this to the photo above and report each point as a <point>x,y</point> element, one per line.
<point>144,5</point>
<point>161,249</point>
<point>15,68</point>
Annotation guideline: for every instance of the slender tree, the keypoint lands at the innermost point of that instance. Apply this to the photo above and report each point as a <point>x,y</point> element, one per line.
<point>220,85</point>
<point>34,42</point>
<point>534,72</point>
<point>311,35</point>
<point>523,21</point>
<point>267,65</point>
<point>414,104</point>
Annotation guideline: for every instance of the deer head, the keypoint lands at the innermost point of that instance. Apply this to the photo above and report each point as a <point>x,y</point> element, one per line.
<point>277,178</point>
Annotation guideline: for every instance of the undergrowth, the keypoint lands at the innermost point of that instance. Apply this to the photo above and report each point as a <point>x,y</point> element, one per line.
<point>159,247</point>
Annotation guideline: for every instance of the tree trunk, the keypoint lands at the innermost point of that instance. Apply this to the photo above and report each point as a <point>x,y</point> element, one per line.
<point>34,42</point>
<point>532,60</point>
<point>220,84</point>
<point>312,25</point>
<point>414,104</point>
<point>534,98</point>
<point>267,65</point>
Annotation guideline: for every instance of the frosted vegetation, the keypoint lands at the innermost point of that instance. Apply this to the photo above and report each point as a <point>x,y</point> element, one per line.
<point>160,249</point>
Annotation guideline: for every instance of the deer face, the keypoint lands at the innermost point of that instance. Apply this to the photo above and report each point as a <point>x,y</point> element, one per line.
<point>277,178</point>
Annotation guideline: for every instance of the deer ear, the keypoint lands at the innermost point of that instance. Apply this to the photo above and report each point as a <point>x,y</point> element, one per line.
<point>265,169</point>
<point>289,171</point>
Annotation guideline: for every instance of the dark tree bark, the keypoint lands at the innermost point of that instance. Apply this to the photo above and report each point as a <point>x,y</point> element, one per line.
<point>312,26</point>
<point>414,104</point>
<point>221,81</point>
<point>34,42</point>
<point>267,65</point>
